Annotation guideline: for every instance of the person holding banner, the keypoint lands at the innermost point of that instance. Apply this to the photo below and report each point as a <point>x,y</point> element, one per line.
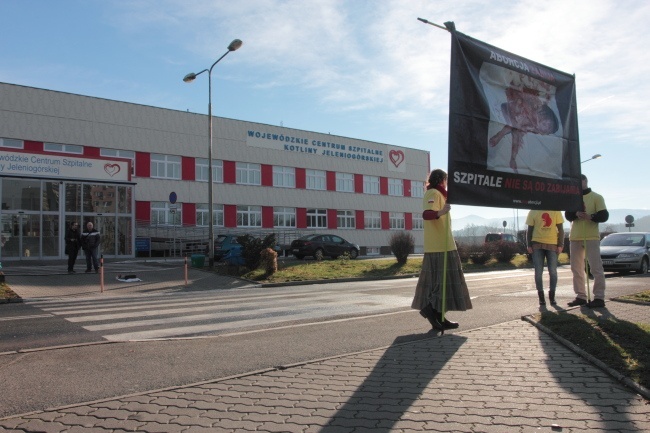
<point>431,296</point>
<point>545,240</point>
<point>585,241</point>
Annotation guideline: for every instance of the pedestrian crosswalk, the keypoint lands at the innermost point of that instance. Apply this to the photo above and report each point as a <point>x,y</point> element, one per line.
<point>192,314</point>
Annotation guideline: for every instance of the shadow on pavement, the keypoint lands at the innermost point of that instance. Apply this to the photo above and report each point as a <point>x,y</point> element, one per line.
<point>391,387</point>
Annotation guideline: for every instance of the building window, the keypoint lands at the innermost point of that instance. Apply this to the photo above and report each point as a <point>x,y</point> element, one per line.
<point>10,142</point>
<point>372,220</point>
<point>284,217</point>
<point>165,213</point>
<point>418,222</point>
<point>249,174</point>
<point>316,179</point>
<point>317,218</point>
<point>125,154</point>
<point>201,170</point>
<point>372,251</point>
<point>344,182</point>
<point>284,177</point>
<point>396,187</point>
<point>203,216</point>
<point>63,148</point>
<point>165,166</point>
<point>396,221</point>
<point>417,189</point>
<point>370,185</point>
<point>345,219</point>
<point>249,216</point>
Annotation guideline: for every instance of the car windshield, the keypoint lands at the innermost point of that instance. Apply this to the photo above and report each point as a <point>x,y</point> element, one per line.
<point>623,240</point>
<point>308,237</point>
<point>222,238</point>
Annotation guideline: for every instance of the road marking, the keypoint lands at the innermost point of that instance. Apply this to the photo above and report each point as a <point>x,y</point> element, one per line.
<point>34,316</point>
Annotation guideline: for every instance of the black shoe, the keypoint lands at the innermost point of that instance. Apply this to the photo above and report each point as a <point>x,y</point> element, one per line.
<point>88,270</point>
<point>432,316</point>
<point>596,303</point>
<point>551,297</point>
<point>540,295</point>
<point>447,324</point>
<point>71,272</point>
<point>577,301</point>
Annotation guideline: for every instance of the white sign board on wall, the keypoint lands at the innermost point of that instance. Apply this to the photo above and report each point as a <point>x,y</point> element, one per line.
<point>20,163</point>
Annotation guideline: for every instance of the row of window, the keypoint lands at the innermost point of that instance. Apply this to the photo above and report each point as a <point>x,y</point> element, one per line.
<point>164,213</point>
<point>169,167</point>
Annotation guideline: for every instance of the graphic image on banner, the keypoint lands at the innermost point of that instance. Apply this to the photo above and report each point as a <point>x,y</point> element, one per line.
<point>513,131</point>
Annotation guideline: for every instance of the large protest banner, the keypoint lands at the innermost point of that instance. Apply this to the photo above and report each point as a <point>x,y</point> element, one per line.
<point>513,131</point>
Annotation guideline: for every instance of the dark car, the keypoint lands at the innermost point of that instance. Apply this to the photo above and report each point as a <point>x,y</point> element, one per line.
<point>319,246</point>
<point>624,252</point>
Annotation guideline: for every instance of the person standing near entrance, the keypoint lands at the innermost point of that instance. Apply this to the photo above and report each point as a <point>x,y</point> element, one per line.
<point>72,245</point>
<point>90,243</point>
<point>545,239</point>
<point>585,241</point>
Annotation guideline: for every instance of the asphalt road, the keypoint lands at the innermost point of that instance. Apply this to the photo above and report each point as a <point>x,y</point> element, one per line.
<point>264,327</point>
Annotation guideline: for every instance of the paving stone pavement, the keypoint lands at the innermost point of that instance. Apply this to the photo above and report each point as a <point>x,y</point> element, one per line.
<point>509,377</point>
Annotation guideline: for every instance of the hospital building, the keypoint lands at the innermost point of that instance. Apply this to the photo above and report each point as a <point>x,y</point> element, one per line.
<point>140,174</point>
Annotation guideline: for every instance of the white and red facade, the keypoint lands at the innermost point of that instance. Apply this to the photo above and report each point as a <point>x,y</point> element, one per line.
<point>120,161</point>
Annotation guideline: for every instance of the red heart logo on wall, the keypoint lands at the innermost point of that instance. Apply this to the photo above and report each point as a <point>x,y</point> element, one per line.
<point>396,157</point>
<point>111,169</point>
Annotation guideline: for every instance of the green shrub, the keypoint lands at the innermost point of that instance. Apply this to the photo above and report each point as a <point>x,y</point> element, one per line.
<point>251,249</point>
<point>504,251</point>
<point>402,244</point>
<point>483,253</point>
<point>464,252</point>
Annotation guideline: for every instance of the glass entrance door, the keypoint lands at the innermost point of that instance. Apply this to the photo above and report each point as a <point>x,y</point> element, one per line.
<point>21,236</point>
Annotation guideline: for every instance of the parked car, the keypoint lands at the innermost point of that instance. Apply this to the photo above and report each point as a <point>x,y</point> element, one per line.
<point>496,237</point>
<point>624,252</point>
<point>320,245</point>
<point>223,244</point>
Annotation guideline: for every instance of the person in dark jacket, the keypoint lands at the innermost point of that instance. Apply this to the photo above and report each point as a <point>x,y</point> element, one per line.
<point>90,243</point>
<point>72,245</point>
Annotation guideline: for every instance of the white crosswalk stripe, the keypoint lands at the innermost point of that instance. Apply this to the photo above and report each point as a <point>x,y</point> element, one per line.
<point>215,312</point>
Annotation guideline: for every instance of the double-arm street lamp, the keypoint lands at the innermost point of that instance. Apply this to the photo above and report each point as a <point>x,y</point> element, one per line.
<point>596,156</point>
<point>234,45</point>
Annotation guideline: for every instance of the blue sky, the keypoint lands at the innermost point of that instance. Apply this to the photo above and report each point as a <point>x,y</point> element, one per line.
<point>363,69</point>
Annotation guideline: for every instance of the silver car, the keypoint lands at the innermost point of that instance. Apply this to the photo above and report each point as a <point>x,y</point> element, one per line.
<point>624,252</point>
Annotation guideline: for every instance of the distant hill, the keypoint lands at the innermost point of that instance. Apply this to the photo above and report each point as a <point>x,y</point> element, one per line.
<point>616,221</point>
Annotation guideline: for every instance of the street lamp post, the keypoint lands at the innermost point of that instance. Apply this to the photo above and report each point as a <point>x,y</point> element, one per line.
<point>596,156</point>
<point>234,45</point>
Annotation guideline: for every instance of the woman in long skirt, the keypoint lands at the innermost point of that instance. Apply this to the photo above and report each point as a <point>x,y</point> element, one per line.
<point>439,241</point>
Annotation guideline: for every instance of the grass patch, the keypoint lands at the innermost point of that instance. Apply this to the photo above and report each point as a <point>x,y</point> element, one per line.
<point>7,293</point>
<point>638,297</point>
<point>311,270</point>
<point>621,345</point>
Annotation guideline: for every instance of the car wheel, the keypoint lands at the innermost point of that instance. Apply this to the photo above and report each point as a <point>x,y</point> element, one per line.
<point>318,254</point>
<point>354,253</point>
<point>299,256</point>
<point>644,267</point>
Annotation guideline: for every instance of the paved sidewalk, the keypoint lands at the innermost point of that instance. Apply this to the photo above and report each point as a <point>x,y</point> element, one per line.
<point>34,280</point>
<point>506,378</point>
